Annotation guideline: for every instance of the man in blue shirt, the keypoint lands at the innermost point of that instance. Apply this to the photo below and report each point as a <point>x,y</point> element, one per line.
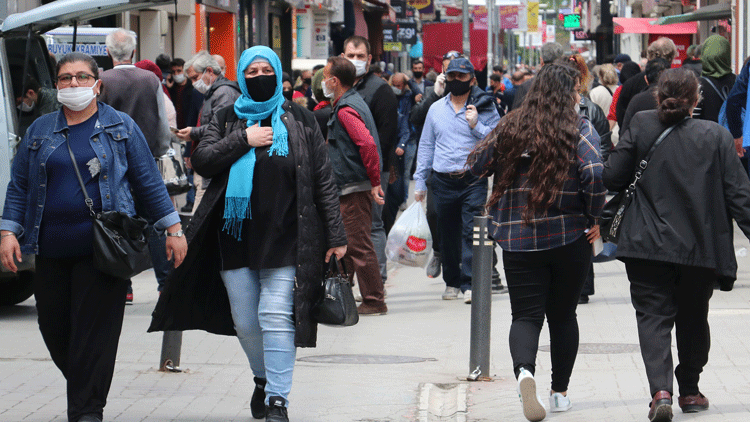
<point>454,126</point>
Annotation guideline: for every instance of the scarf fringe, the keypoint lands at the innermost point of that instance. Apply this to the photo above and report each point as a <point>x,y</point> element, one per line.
<point>236,210</point>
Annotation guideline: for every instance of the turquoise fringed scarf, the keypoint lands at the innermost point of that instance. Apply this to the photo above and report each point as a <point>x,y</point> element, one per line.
<point>240,184</point>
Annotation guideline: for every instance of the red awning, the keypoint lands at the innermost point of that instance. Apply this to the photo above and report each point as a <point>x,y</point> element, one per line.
<point>440,38</point>
<point>644,26</point>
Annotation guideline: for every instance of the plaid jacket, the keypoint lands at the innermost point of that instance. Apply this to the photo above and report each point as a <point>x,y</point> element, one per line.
<point>577,206</point>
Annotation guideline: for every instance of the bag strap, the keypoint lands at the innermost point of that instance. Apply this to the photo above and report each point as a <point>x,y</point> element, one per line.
<point>644,162</point>
<point>722,95</point>
<point>333,266</point>
<point>88,200</point>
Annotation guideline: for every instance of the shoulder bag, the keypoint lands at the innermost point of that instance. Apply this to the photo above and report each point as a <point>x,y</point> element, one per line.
<point>610,222</point>
<point>119,242</point>
<point>173,172</point>
<point>337,305</point>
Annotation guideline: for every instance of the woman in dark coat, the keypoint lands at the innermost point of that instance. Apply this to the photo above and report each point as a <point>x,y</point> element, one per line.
<point>676,238</point>
<point>268,221</point>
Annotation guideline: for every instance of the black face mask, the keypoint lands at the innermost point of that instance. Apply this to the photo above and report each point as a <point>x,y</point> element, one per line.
<point>458,88</point>
<point>417,75</point>
<point>307,81</point>
<point>261,88</point>
<point>288,94</point>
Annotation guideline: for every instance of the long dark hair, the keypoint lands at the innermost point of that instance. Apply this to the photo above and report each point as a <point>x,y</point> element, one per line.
<point>545,128</point>
<point>676,94</point>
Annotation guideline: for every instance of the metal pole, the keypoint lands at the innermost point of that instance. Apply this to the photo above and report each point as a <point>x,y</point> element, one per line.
<point>467,42</point>
<point>171,344</point>
<point>490,39</point>
<point>481,301</point>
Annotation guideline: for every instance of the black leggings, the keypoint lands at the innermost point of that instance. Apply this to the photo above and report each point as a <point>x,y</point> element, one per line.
<point>80,316</point>
<point>546,283</point>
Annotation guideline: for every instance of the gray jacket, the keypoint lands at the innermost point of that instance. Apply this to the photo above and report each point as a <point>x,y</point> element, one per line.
<point>222,93</point>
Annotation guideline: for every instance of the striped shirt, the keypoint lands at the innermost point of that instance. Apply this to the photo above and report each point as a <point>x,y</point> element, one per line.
<point>576,207</point>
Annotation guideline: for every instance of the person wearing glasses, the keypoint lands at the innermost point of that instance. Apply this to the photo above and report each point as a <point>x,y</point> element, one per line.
<point>80,308</point>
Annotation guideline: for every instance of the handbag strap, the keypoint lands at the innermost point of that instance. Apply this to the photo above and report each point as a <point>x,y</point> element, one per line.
<point>88,200</point>
<point>644,162</point>
<point>333,266</point>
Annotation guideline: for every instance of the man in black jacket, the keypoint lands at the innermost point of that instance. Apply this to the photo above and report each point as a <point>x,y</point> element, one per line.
<point>383,105</point>
<point>664,48</point>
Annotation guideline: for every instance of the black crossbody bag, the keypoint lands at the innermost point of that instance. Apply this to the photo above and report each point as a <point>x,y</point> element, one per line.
<point>120,247</point>
<point>610,222</point>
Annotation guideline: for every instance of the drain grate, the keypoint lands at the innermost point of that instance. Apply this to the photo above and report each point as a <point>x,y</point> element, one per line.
<point>602,348</point>
<point>365,359</point>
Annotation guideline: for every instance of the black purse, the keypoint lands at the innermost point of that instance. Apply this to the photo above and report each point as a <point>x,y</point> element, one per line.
<point>610,222</point>
<point>337,305</point>
<point>120,247</point>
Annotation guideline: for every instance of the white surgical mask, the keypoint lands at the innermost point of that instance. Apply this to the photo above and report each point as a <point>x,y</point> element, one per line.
<point>76,98</point>
<point>25,107</point>
<point>201,86</point>
<point>326,91</point>
<point>179,78</point>
<point>360,65</point>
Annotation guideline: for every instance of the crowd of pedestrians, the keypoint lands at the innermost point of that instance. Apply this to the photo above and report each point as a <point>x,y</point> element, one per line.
<point>293,169</point>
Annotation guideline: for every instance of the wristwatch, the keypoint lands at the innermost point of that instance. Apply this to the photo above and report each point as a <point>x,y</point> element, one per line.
<point>178,233</point>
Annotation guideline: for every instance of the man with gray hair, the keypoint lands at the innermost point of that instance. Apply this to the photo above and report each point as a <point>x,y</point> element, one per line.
<point>138,93</point>
<point>219,92</point>
<point>549,54</point>
<point>661,48</point>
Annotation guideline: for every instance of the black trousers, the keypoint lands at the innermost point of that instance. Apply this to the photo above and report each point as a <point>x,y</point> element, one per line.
<point>668,295</point>
<point>546,283</point>
<point>80,316</point>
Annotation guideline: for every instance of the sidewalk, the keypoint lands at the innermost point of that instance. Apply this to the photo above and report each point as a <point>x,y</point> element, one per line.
<point>608,382</point>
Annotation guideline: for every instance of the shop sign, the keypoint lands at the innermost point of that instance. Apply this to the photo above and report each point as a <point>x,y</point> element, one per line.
<point>509,17</point>
<point>392,46</point>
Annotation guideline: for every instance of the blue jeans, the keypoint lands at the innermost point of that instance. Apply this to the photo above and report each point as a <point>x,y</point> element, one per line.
<point>262,304</point>
<point>457,201</point>
<point>378,229</point>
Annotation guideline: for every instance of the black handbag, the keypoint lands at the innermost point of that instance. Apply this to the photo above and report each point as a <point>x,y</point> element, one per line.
<point>610,222</point>
<point>120,247</point>
<point>337,305</point>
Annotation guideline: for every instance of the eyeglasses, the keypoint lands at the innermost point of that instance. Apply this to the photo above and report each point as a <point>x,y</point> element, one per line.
<point>84,79</point>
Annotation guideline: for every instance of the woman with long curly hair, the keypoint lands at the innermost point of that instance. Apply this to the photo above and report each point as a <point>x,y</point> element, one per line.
<point>547,192</point>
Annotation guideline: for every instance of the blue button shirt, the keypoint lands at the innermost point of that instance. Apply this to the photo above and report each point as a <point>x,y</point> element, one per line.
<point>447,139</point>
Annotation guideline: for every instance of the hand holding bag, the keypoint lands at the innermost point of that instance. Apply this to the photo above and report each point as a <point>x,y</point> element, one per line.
<point>337,306</point>
<point>610,222</point>
<point>119,242</point>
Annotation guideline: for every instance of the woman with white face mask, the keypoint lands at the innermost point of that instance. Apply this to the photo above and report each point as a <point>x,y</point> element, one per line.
<point>80,308</point>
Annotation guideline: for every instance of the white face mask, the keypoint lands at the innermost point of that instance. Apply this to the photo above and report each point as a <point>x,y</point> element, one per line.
<point>76,98</point>
<point>326,92</point>
<point>360,65</point>
<point>201,86</point>
<point>25,107</point>
<point>179,78</point>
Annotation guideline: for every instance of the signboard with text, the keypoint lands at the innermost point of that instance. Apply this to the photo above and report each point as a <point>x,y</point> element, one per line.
<point>509,17</point>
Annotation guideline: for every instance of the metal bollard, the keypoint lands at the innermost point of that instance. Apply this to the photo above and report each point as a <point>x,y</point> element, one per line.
<point>171,344</point>
<point>481,301</point>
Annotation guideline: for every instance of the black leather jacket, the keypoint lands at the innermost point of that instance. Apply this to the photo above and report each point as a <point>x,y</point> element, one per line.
<point>599,120</point>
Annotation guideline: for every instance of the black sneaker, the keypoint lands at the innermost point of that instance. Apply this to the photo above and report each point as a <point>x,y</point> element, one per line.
<point>276,410</point>
<point>258,402</point>
<point>90,418</point>
<point>187,208</point>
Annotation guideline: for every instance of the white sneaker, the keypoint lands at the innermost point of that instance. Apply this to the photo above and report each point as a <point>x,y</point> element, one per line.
<point>533,409</point>
<point>559,403</point>
<point>451,293</point>
<point>357,293</point>
<point>467,296</point>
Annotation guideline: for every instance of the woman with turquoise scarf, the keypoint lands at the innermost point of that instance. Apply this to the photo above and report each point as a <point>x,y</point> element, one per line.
<point>268,222</point>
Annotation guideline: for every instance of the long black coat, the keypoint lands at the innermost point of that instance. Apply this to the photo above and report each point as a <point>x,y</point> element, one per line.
<point>693,185</point>
<point>194,296</point>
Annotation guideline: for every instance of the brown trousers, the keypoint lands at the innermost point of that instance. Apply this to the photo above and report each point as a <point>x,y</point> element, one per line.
<point>356,210</point>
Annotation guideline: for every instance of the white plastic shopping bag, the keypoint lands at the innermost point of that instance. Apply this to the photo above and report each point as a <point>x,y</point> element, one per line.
<point>409,241</point>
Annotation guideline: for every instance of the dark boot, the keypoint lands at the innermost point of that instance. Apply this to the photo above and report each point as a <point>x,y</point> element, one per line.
<point>258,402</point>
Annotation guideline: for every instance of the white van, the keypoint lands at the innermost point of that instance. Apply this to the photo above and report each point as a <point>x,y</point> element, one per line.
<point>24,51</point>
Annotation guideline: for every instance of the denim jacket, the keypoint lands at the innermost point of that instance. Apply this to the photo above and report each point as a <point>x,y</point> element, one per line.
<point>126,162</point>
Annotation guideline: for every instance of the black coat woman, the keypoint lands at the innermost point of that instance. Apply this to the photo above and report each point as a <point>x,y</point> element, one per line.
<point>676,238</point>
<point>269,220</point>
